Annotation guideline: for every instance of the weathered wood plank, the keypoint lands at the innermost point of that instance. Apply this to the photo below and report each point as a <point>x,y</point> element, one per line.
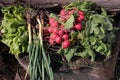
<point>112,5</point>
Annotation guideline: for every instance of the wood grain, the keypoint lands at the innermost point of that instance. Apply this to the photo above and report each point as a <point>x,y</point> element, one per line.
<point>111,5</point>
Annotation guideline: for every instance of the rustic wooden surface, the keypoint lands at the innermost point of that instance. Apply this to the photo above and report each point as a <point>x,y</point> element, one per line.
<point>112,5</point>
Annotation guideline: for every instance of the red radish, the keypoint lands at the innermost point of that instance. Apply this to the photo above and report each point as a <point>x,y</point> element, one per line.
<point>66,44</point>
<point>62,12</point>
<point>50,29</point>
<point>61,32</point>
<point>51,41</point>
<point>58,39</point>
<point>51,20</point>
<point>65,36</point>
<point>55,30</point>
<point>53,36</point>
<point>71,12</point>
<point>66,31</point>
<point>67,17</point>
<point>79,19</point>
<point>82,17</point>
<point>62,26</point>
<point>80,13</point>
<point>78,26</point>
<point>54,24</point>
<point>63,19</point>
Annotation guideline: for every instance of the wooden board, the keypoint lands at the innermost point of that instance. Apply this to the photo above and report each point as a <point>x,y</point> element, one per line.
<point>112,5</point>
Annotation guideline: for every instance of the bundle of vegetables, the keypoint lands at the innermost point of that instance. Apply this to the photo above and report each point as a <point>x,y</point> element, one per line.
<point>13,29</point>
<point>15,36</point>
<point>79,30</point>
<point>39,60</point>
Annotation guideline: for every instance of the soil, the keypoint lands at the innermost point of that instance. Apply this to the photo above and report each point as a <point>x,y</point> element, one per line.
<point>9,66</point>
<point>13,72</point>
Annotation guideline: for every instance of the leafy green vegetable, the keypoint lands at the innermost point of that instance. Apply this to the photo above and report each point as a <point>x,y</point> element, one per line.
<point>70,52</point>
<point>96,36</point>
<point>14,29</point>
<point>81,5</point>
<point>69,22</point>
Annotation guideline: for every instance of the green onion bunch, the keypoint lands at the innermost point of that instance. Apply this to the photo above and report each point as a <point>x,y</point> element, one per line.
<point>39,60</point>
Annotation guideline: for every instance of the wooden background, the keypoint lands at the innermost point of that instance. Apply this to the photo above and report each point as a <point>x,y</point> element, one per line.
<point>112,5</point>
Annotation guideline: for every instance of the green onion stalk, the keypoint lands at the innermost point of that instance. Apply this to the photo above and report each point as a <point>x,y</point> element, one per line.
<point>39,60</point>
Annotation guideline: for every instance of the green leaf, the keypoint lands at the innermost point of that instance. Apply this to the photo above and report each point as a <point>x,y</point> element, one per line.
<point>92,54</point>
<point>83,54</point>
<point>104,12</point>
<point>69,22</point>
<point>109,25</point>
<point>66,51</point>
<point>73,35</point>
<point>102,48</point>
<point>96,30</point>
<point>110,37</point>
<point>71,5</point>
<point>69,54</point>
<point>87,27</point>
<point>93,40</point>
<point>92,27</point>
<point>101,34</point>
<point>80,36</point>
<point>54,16</point>
<point>108,51</point>
<point>14,29</point>
<point>97,18</point>
<point>60,51</point>
<point>102,30</point>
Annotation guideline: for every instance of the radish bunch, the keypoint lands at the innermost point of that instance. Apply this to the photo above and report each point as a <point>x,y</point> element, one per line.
<point>59,35</point>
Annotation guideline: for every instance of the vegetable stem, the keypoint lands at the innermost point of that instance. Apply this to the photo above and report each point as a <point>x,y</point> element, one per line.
<point>40,29</point>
